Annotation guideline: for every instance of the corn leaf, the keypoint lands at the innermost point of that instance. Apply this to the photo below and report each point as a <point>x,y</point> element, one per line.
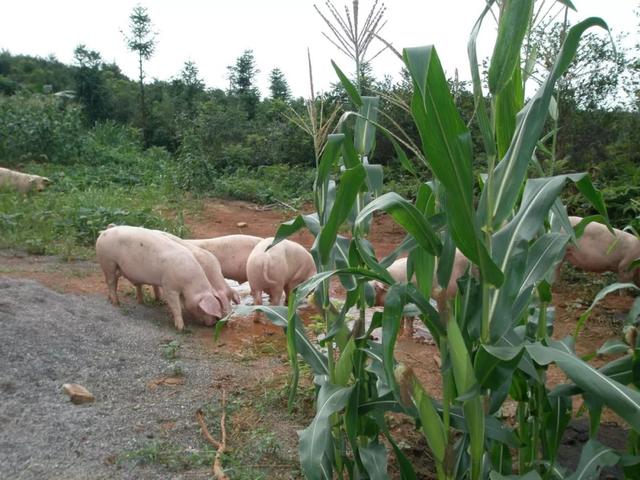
<point>406,215</point>
<point>346,194</point>
<point>350,88</point>
<point>511,170</point>
<point>620,398</point>
<point>446,142</point>
<point>365,130</point>
<point>593,457</point>
<point>514,23</point>
<point>316,444</point>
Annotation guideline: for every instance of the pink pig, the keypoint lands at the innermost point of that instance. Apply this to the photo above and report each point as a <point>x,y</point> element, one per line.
<point>146,257</point>
<point>277,270</point>
<point>398,271</point>
<point>591,253</point>
<point>232,251</point>
<point>212,270</point>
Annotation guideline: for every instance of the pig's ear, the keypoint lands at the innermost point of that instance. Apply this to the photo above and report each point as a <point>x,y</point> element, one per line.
<point>209,305</point>
<point>47,181</point>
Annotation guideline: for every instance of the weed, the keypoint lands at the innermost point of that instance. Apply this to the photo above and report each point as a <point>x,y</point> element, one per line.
<point>170,350</point>
<point>174,457</point>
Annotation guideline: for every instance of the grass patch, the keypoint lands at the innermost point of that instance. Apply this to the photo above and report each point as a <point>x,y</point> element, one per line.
<point>67,218</point>
<point>268,184</point>
<point>174,457</point>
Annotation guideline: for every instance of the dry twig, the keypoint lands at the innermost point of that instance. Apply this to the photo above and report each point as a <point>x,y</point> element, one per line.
<point>218,471</point>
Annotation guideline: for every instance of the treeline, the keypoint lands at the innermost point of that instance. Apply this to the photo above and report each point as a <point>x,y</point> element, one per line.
<point>61,113</point>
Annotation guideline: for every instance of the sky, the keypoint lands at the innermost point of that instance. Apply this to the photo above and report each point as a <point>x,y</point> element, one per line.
<point>213,34</point>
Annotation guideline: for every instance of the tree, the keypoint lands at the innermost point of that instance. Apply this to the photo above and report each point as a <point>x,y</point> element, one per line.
<point>90,84</point>
<point>142,40</point>
<point>278,85</point>
<point>242,77</point>
<point>191,86</point>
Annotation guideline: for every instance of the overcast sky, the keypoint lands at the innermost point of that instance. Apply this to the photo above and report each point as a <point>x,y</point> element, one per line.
<point>213,34</point>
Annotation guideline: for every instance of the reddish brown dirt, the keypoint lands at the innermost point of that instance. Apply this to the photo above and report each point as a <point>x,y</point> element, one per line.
<point>249,340</point>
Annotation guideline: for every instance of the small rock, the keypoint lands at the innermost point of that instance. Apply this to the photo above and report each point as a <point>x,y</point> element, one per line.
<point>241,224</point>
<point>78,393</point>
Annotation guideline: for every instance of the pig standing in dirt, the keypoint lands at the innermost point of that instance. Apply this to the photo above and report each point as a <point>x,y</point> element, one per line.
<point>145,257</point>
<point>232,251</point>
<point>398,271</point>
<point>212,269</point>
<point>591,252</point>
<point>277,270</point>
<point>22,182</point>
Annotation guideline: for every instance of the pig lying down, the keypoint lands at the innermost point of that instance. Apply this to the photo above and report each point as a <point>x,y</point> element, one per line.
<point>591,252</point>
<point>22,182</point>
<point>278,270</point>
<point>146,257</point>
<point>232,251</point>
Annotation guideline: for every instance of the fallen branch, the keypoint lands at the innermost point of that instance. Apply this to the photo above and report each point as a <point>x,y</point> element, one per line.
<point>218,471</point>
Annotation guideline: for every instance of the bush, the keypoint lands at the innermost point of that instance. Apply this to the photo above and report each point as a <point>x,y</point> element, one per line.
<point>38,127</point>
<point>266,184</point>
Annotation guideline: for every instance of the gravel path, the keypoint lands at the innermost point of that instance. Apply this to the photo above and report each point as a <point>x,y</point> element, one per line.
<point>48,339</point>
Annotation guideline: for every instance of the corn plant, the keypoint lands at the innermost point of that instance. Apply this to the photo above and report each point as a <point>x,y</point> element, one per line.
<point>494,336</point>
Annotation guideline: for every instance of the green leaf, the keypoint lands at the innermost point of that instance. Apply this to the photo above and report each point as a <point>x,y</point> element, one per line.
<point>351,90</point>
<point>406,215</point>
<point>391,317</point>
<point>365,130</point>
<point>613,346</point>
<point>344,365</point>
<point>599,296</point>
<point>621,399</point>
<point>532,475</point>
<point>555,421</point>
<point>346,195</point>
<point>446,142</point>
<point>465,381</point>
<point>431,423</point>
<point>315,440</point>
<point>330,155</point>
<point>478,97</point>
<point>374,459</point>
<point>594,456</point>
<point>292,226</point>
<point>514,23</point>
<point>512,169</point>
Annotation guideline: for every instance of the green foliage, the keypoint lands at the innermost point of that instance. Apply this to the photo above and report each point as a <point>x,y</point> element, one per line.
<point>174,457</point>
<point>128,186</point>
<point>39,127</point>
<point>267,184</point>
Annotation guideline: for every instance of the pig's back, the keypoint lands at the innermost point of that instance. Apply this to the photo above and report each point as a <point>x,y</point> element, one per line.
<point>142,255</point>
<point>232,251</point>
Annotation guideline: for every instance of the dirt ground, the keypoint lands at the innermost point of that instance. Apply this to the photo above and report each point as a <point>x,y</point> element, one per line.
<point>248,362</point>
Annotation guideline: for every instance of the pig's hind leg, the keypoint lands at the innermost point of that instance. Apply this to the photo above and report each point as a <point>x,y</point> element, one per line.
<point>111,275</point>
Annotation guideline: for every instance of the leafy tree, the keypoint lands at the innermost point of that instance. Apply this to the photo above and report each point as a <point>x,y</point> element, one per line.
<point>242,77</point>
<point>188,88</point>
<point>278,85</point>
<point>90,84</point>
<point>142,40</point>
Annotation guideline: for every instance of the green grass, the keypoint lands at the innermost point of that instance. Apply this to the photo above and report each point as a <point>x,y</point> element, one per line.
<point>174,457</point>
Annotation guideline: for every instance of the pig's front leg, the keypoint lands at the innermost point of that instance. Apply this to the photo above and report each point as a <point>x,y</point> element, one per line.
<point>173,300</point>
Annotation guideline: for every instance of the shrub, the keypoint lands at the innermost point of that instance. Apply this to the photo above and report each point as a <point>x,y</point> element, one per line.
<point>40,127</point>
